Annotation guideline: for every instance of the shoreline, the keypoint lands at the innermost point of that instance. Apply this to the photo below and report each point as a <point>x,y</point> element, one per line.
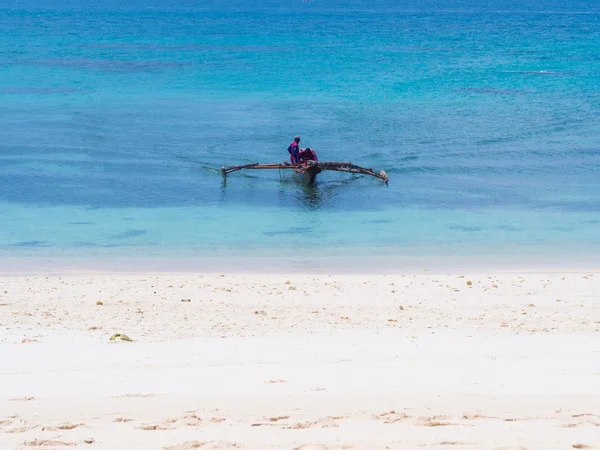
<point>298,265</point>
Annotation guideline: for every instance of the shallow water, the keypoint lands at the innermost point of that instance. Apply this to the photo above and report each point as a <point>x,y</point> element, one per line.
<point>116,121</point>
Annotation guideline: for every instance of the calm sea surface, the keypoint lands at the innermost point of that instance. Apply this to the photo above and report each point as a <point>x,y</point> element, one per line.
<point>117,116</point>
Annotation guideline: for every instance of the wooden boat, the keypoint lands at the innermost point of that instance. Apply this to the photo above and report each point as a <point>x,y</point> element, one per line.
<point>309,170</point>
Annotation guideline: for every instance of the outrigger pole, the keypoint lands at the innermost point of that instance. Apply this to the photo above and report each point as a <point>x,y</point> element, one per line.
<point>324,165</point>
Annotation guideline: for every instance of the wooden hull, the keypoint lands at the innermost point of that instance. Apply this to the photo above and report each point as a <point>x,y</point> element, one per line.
<point>305,178</point>
<point>308,174</point>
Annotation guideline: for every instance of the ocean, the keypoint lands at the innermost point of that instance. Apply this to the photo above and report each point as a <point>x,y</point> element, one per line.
<point>117,117</point>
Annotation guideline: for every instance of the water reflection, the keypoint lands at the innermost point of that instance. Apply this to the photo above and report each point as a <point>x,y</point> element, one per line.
<point>323,192</point>
<point>311,197</point>
<point>290,191</point>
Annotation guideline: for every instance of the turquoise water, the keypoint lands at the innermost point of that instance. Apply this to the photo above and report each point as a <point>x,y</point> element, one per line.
<point>116,120</point>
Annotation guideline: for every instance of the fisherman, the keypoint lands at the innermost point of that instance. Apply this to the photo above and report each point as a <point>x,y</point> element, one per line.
<point>308,154</point>
<point>294,150</point>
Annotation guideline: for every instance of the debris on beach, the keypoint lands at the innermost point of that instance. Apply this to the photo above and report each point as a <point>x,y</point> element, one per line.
<point>120,337</point>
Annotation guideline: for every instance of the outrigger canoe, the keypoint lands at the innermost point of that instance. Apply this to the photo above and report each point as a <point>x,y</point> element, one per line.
<point>309,170</point>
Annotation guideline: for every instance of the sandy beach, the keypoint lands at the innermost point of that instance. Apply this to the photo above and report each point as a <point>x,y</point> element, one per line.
<point>399,361</point>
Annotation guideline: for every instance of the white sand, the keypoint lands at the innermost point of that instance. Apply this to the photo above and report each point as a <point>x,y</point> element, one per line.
<point>365,362</point>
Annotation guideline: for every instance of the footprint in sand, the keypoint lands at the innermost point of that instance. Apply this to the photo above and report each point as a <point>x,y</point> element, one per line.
<point>454,443</point>
<point>312,447</point>
<point>326,422</point>
<point>323,447</point>
<point>437,421</point>
<point>476,416</point>
<point>186,445</point>
<point>133,396</point>
<point>212,445</point>
<point>580,424</point>
<point>66,426</point>
<point>438,424</point>
<point>20,429</point>
<point>319,423</point>
<point>216,445</point>
<point>435,418</point>
<point>154,427</point>
<point>270,421</point>
<point>189,420</point>
<point>391,417</point>
<point>49,443</point>
<point>277,419</point>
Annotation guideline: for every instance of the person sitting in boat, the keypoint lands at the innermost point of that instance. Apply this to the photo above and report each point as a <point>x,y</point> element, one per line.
<point>307,154</point>
<point>294,150</point>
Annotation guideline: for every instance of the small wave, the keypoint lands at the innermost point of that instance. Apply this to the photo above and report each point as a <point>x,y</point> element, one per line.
<point>31,244</point>
<point>465,229</point>
<point>543,73</point>
<point>507,228</point>
<point>31,90</point>
<point>85,244</point>
<point>409,158</point>
<point>190,47</point>
<point>498,140</point>
<point>289,231</point>
<point>491,91</point>
<point>128,234</point>
<point>104,65</point>
<point>418,169</point>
